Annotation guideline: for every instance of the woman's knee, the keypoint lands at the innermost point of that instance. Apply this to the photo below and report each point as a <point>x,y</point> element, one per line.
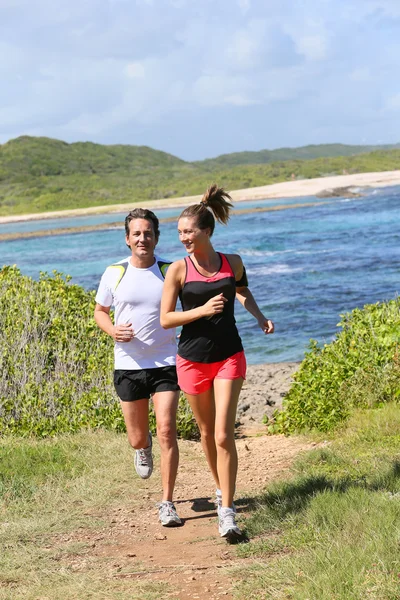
<point>224,439</point>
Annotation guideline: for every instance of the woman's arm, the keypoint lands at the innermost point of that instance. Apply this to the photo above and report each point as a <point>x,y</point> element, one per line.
<point>169,317</point>
<point>245,297</point>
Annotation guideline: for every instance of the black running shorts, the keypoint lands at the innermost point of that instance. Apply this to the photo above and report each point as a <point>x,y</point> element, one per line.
<point>136,385</point>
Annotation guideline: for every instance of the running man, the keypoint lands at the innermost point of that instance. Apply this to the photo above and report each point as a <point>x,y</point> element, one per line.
<point>144,352</point>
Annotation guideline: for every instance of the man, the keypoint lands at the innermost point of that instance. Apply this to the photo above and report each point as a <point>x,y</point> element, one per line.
<point>144,352</point>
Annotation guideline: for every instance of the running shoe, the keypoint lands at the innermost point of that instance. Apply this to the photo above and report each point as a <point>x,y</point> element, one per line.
<point>144,460</point>
<point>227,524</point>
<point>168,515</point>
<point>218,501</point>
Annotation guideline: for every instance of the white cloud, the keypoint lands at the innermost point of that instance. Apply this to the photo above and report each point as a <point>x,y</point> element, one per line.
<point>244,5</point>
<point>393,103</point>
<point>135,70</point>
<point>101,67</point>
<point>313,47</point>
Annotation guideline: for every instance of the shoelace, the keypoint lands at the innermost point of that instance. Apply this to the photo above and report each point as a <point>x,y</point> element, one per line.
<point>169,509</point>
<point>228,520</point>
<point>143,457</point>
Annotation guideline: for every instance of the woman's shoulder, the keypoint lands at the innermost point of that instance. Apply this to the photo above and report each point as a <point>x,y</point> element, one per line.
<point>234,259</point>
<point>236,263</point>
<point>177,267</point>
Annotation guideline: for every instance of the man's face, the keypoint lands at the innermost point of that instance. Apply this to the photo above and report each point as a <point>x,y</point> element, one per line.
<point>141,239</point>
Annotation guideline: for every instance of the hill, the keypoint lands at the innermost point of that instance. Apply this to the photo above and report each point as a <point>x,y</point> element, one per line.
<point>42,174</point>
<point>282,154</point>
<point>41,156</point>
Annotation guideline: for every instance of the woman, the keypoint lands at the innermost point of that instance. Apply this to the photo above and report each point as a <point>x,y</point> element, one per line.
<point>211,364</point>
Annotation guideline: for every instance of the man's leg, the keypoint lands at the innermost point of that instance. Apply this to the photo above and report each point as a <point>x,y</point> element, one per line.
<point>136,416</point>
<point>165,406</point>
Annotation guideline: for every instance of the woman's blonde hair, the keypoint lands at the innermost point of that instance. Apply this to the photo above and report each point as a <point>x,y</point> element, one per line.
<point>215,204</point>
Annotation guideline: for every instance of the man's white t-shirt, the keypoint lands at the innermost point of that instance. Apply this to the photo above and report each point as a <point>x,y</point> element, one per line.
<point>135,295</point>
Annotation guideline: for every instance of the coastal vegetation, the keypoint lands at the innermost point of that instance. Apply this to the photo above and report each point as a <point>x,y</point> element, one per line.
<point>42,174</point>
<point>328,531</point>
<point>56,364</point>
<point>359,369</point>
<point>332,530</point>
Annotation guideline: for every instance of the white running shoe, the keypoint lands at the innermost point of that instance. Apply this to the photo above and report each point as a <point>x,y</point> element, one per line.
<point>168,515</point>
<point>227,524</point>
<point>144,460</point>
<point>218,501</point>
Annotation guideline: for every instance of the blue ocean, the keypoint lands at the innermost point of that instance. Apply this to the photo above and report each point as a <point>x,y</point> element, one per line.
<point>306,265</point>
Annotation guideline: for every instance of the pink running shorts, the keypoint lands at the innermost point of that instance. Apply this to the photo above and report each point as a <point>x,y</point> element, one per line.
<point>195,378</point>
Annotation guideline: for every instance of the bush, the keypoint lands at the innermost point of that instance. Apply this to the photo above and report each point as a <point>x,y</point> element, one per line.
<point>360,368</point>
<point>56,364</point>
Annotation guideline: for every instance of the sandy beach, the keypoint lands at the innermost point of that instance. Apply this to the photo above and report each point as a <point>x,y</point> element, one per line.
<point>286,189</point>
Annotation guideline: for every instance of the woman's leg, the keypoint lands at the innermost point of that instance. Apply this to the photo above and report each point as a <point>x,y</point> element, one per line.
<point>226,393</point>
<point>203,408</point>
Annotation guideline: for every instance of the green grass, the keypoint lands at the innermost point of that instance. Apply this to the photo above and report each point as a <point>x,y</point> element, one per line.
<point>56,495</point>
<point>332,532</point>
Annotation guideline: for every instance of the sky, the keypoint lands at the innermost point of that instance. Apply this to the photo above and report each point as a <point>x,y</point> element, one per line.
<point>200,78</point>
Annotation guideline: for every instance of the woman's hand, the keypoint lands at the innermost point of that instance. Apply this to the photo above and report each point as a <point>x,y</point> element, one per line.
<point>266,325</point>
<point>214,306</point>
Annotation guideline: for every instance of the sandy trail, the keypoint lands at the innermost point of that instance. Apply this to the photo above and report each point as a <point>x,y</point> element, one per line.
<point>286,189</point>
<point>192,561</point>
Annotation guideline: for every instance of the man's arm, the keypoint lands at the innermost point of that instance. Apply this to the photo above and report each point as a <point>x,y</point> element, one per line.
<point>120,333</point>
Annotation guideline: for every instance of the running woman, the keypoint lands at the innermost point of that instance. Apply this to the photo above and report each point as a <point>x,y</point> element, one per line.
<point>144,353</point>
<point>211,364</point>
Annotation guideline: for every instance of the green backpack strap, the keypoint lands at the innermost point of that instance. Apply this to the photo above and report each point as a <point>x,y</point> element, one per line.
<point>163,266</point>
<point>122,268</point>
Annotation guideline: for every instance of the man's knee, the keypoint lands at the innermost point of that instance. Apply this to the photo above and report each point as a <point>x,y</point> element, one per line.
<point>166,434</point>
<point>138,440</point>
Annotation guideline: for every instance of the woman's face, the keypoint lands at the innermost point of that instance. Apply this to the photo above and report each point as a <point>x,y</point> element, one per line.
<point>190,235</point>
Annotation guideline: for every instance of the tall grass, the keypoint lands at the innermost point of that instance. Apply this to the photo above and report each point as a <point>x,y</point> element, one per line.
<point>333,531</point>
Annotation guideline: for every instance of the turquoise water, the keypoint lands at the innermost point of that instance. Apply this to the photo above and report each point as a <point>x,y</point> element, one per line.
<point>306,266</point>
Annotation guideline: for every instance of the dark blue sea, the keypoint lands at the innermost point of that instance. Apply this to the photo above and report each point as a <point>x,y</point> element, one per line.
<point>306,265</point>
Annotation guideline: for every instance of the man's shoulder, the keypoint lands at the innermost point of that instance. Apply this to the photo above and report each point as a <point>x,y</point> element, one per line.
<point>115,272</point>
<point>162,264</point>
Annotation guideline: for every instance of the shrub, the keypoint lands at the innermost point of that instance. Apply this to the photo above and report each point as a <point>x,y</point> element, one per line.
<point>56,364</point>
<point>360,368</point>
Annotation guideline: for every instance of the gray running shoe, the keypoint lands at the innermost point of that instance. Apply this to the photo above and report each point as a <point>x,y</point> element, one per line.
<point>218,501</point>
<point>227,524</point>
<point>144,460</point>
<point>168,515</point>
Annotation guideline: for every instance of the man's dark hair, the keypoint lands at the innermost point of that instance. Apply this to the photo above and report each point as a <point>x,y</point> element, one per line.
<point>143,213</point>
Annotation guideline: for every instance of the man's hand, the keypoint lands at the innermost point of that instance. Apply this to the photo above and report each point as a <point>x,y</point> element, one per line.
<point>266,325</point>
<point>123,333</point>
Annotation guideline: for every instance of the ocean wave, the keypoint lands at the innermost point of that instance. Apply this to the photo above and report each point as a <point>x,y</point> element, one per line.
<point>295,251</point>
<point>279,269</point>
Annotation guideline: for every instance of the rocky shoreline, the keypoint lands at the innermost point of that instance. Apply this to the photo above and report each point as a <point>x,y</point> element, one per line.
<point>263,392</point>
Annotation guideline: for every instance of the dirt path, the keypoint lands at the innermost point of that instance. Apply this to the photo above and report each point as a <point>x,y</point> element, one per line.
<point>192,561</point>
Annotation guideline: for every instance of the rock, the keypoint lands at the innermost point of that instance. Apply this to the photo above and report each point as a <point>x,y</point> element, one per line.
<point>340,192</point>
